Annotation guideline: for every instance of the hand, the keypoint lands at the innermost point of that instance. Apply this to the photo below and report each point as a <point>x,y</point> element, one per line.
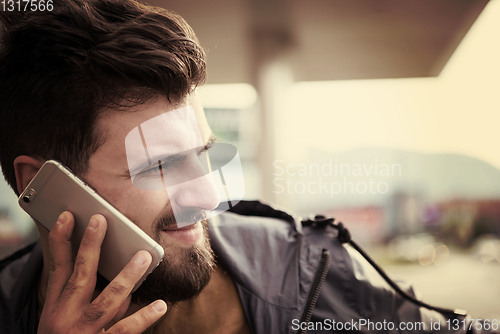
<point>69,307</point>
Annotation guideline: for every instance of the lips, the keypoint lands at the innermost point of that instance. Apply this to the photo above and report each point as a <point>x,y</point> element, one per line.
<point>174,227</point>
<point>182,220</point>
<point>185,236</point>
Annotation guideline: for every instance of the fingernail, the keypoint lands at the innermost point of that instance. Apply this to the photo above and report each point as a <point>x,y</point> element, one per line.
<point>140,258</point>
<point>62,218</point>
<point>159,306</point>
<point>93,223</point>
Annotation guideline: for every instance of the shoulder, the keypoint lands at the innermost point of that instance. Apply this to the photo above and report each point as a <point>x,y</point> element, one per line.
<point>245,224</point>
<point>18,278</point>
<point>16,256</point>
<point>12,267</point>
<point>253,238</point>
<point>265,253</point>
<point>253,225</point>
<point>259,244</point>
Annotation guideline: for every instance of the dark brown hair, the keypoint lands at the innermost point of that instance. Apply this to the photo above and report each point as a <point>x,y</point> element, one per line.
<point>59,69</point>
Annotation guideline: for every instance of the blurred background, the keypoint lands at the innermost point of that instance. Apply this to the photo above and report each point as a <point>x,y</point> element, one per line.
<point>381,113</point>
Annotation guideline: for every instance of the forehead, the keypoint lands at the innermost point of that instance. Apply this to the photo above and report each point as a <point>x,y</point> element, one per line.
<point>160,115</point>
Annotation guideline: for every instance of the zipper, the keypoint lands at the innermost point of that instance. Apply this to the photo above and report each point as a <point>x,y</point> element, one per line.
<point>319,279</point>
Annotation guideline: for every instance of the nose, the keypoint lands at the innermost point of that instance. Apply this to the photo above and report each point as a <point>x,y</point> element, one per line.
<point>200,193</point>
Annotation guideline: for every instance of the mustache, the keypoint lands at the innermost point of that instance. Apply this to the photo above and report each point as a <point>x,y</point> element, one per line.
<point>186,216</point>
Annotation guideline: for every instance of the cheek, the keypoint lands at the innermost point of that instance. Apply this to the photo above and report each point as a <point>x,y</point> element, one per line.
<point>140,206</point>
<point>145,205</point>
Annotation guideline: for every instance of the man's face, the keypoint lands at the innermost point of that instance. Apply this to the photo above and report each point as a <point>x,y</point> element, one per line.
<point>175,129</point>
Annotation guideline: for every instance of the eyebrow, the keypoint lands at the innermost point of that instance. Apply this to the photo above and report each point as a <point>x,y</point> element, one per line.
<point>162,158</point>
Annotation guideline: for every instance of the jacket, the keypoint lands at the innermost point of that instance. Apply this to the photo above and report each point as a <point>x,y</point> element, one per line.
<point>292,276</point>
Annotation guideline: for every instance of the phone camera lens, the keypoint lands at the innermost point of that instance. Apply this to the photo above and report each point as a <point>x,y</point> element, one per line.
<point>29,196</point>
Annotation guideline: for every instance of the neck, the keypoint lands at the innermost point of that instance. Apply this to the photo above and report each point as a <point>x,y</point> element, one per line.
<point>216,310</point>
<point>43,280</point>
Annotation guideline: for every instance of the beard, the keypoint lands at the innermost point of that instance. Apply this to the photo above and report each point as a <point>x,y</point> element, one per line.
<point>183,273</point>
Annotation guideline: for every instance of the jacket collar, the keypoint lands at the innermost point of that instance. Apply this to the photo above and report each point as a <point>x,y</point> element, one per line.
<point>270,264</point>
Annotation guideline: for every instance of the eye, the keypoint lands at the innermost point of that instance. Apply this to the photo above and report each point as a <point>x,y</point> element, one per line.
<point>175,162</point>
<point>210,144</point>
<point>205,148</point>
<point>153,170</point>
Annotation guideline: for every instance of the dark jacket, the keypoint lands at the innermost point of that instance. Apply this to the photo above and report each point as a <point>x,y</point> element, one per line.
<point>289,277</point>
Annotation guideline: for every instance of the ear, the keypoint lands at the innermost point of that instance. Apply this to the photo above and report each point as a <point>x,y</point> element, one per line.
<point>25,167</point>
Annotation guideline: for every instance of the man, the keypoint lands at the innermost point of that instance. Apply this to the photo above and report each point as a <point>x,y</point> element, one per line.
<point>81,84</point>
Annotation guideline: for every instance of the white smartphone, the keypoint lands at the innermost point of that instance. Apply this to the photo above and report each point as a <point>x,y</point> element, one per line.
<point>55,189</point>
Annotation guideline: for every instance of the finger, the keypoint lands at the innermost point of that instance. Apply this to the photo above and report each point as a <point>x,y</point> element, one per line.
<point>122,310</point>
<point>82,282</point>
<point>106,305</point>
<point>141,320</point>
<point>60,256</point>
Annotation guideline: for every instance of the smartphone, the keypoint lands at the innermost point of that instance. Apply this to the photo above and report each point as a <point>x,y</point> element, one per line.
<point>55,189</point>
